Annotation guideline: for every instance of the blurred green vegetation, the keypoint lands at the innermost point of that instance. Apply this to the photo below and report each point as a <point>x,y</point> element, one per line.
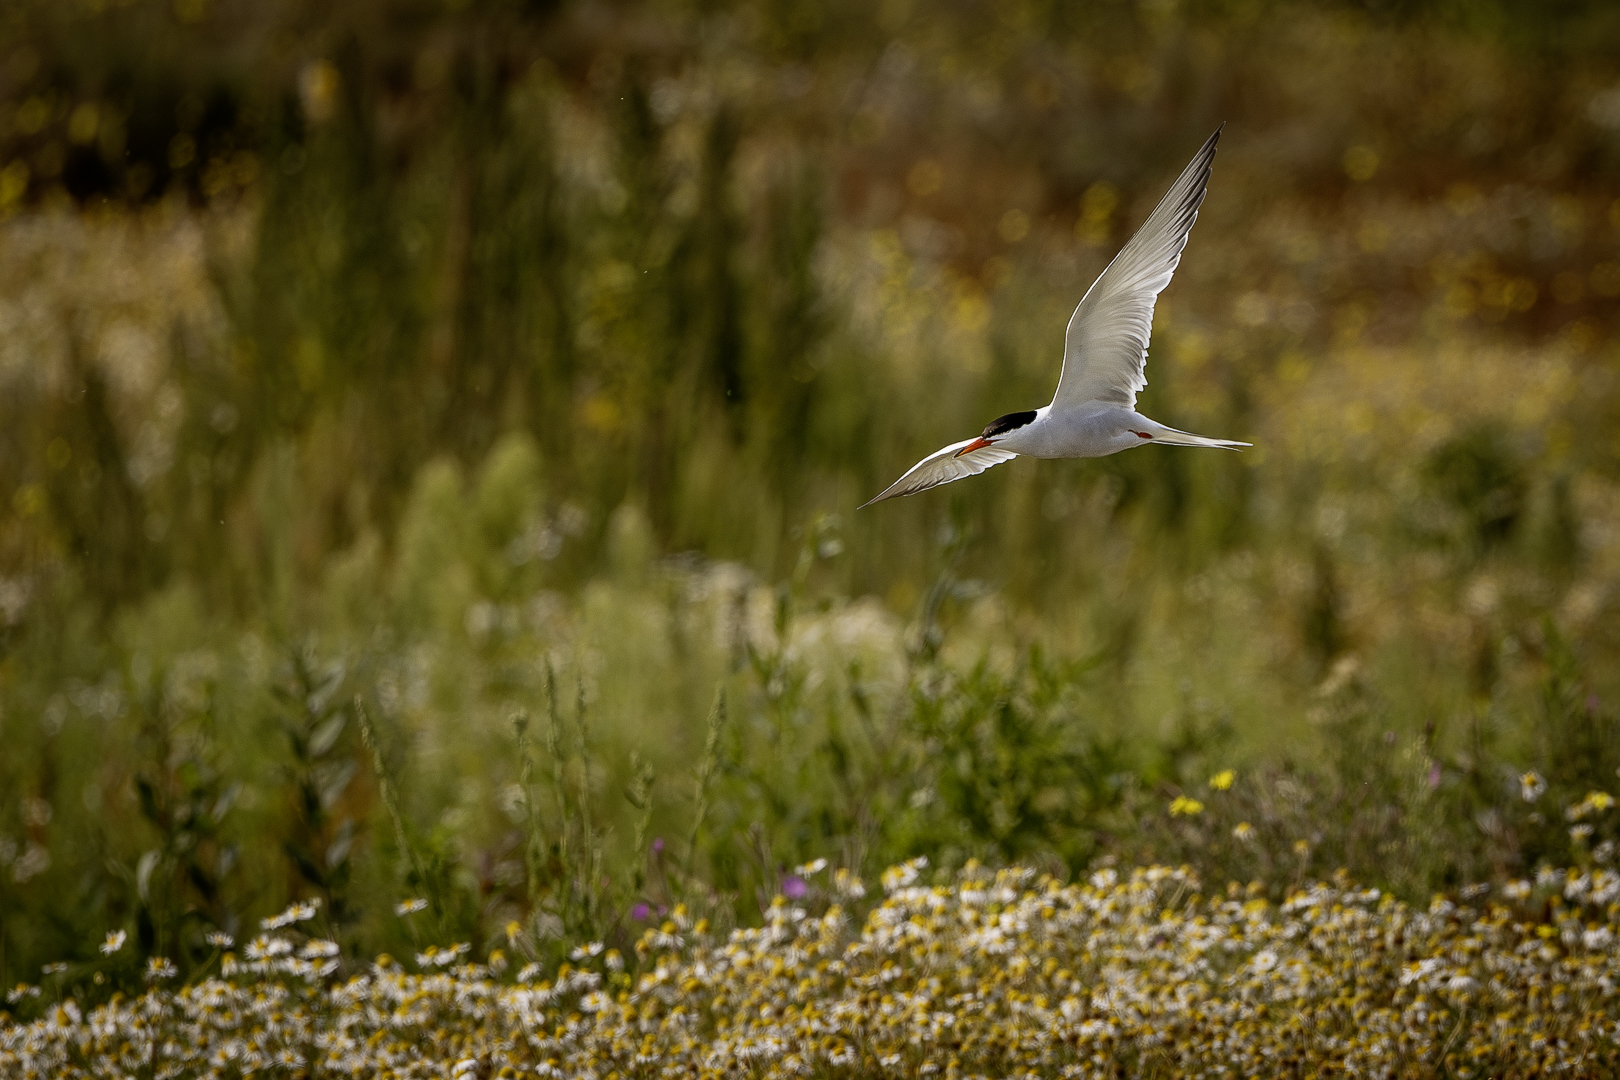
<point>509,374</point>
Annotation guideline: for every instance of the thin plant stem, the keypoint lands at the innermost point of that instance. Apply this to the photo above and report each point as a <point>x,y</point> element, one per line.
<point>589,887</point>
<point>536,848</point>
<point>385,787</point>
<point>706,770</point>
<point>584,764</point>
<point>640,796</point>
<point>554,752</point>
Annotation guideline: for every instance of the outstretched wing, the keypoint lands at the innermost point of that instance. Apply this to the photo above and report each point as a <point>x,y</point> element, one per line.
<point>943,466</point>
<point>1105,348</point>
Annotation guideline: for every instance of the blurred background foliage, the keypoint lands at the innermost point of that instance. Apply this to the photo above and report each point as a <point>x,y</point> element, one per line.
<point>451,363</point>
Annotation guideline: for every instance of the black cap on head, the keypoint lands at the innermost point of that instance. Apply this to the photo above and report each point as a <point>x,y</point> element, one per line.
<point>1003,424</point>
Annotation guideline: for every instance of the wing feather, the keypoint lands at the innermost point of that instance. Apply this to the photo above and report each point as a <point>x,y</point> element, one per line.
<point>943,466</point>
<point>1105,347</point>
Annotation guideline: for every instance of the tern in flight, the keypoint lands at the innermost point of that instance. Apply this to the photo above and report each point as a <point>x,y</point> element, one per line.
<point>1104,352</point>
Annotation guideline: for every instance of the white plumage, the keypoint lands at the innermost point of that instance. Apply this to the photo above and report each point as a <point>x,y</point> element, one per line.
<point>1105,347</point>
<point>943,466</point>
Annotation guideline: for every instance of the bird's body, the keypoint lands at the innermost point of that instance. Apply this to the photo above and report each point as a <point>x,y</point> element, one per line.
<point>1093,413</point>
<point>1094,429</point>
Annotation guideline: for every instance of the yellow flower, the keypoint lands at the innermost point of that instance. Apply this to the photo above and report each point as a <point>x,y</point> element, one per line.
<point>1243,831</point>
<point>1595,802</point>
<point>1222,780</point>
<point>1183,806</point>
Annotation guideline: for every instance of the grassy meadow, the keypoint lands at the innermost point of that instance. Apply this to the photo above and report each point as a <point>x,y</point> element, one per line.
<point>431,438</point>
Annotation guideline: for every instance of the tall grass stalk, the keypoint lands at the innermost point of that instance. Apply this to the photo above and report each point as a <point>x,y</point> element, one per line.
<point>640,795</point>
<point>707,768</point>
<point>587,833</point>
<point>590,883</point>
<point>554,751</point>
<point>385,789</point>
<point>535,847</point>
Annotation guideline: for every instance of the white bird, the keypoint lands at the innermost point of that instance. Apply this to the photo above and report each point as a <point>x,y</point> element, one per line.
<point>1094,412</point>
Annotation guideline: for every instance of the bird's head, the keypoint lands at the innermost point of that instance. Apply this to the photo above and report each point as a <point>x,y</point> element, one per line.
<point>997,427</point>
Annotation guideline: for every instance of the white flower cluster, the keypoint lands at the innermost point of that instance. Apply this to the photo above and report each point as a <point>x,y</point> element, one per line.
<point>1002,974</point>
<point>297,913</point>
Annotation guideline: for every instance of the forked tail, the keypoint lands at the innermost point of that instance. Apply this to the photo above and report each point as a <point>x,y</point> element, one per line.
<point>1171,437</point>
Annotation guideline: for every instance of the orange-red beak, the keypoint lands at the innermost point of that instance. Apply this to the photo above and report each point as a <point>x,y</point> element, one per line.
<point>976,444</point>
